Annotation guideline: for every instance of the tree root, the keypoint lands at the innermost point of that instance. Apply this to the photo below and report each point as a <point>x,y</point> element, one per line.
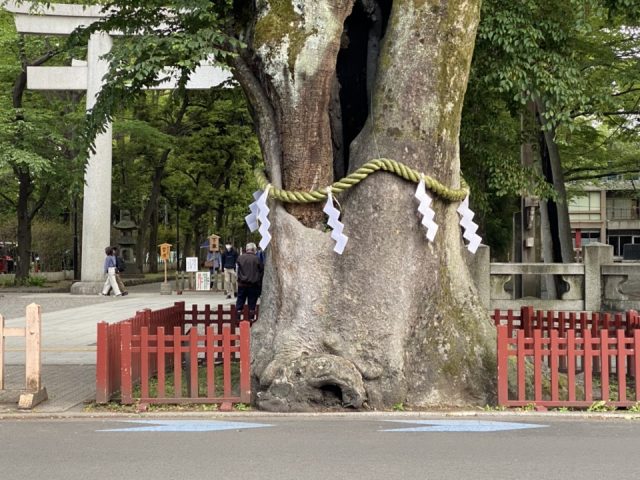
<point>310,381</point>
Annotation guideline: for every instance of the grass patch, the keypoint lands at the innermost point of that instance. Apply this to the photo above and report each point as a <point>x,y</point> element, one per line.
<point>116,406</point>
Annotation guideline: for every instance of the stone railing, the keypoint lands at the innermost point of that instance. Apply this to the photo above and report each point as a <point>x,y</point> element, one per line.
<point>595,285</point>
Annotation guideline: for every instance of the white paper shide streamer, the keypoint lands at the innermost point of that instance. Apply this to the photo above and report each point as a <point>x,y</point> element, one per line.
<point>333,213</point>
<point>252,218</point>
<point>427,212</point>
<point>470,228</point>
<point>258,218</point>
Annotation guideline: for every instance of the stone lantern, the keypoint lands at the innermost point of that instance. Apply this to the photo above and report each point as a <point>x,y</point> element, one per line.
<point>126,241</point>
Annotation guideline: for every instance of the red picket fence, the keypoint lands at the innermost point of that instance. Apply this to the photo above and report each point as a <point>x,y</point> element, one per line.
<point>158,343</point>
<point>529,320</point>
<point>153,351</point>
<point>567,359</point>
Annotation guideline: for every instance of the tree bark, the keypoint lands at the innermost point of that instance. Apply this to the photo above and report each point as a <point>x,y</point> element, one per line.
<point>24,225</point>
<point>562,206</point>
<point>395,319</point>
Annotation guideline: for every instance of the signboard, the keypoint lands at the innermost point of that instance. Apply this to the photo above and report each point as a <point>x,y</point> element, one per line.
<point>203,281</point>
<point>192,264</point>
<point>165,248</point>
<point>214,243</point>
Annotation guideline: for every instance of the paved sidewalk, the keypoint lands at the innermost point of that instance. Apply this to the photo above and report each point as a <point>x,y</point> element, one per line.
<point>69,339</point>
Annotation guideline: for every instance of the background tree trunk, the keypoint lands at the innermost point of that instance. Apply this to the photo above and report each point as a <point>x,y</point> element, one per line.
<point>394,319</point>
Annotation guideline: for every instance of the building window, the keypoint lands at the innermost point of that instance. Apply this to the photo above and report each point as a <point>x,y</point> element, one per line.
<point>585,207</point>
<point>622,208</point>
<point>586,237</point>
<point>619,241</point>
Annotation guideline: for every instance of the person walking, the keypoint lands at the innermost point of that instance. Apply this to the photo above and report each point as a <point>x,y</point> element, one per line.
<point>120,268</point>
<point>110,268</point>
<point>250,271</point>
<point>213,261</point>
<point>229,258</point>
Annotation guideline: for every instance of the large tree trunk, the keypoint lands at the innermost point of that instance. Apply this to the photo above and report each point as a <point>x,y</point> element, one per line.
<point>394,319</point>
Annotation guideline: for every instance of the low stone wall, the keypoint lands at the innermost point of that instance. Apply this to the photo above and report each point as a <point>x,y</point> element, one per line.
<point>50,276</point>
<point>595,285</point>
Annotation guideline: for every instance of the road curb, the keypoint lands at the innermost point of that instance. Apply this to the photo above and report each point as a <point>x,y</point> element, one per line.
<point>378,414</point>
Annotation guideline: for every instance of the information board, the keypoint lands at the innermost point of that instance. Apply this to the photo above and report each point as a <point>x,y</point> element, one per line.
<point>192,264</point>
<point>203,281</point>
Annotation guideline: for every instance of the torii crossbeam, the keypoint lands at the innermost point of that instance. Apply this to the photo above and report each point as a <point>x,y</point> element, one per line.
<point>62,19</point>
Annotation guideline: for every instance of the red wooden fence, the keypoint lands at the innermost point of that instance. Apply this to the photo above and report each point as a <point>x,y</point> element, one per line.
<point>528,320</point>
<point>118,371</point>
<point>567,359</point>
<point>153,350</point>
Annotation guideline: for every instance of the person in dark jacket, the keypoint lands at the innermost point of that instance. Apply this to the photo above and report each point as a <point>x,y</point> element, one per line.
<point>229,258</point>
<point>249,272</point>
<point>120,267</point>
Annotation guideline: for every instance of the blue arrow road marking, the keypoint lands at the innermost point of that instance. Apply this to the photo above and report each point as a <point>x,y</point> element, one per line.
<point>185,426</point>
<point>461,426</point>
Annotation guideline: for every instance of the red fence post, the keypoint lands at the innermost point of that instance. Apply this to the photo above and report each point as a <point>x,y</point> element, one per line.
<point>636,361</point>
<point>621,361</point>
<point>162,369</point>
<point>503,365</point>
<point>226,359</point>
<point>571,365</point>
<point>179,311</point>
<point>126,384</point>
<point>210,357</point>
<point>245,364</point>
<point>537,365</point>
<point>103,394</point>
<point>177,362</point>
<point>520,362</point>
<point>604,361</point>
<point>554,350</point>
<point>588,366</point>
<point>193,362</point>
<point>526,317</point>
<point>144,362</point>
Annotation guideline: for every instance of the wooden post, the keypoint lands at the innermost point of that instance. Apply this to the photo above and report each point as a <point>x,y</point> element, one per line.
<point>103,359</point>
<point>32,343</point>
<point>126,382</point>
<point>245,363</point>
<point>165,270</point>
<point>36,393</point>
<point>1,352</point>
<point>165,249</point>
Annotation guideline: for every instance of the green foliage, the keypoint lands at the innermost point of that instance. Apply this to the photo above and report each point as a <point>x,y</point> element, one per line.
<point>52,241</point>
<point>635,408</point>
<point>577,60</point>
<point>398,407</point>
<point>601,406</point>
<point>163,38</point>
<point>36,281</point>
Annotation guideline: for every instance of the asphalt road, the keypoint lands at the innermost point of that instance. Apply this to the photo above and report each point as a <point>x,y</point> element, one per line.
<point>320,448</point>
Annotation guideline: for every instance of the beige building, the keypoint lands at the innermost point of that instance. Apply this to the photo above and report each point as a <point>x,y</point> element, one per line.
<point>607,213</point>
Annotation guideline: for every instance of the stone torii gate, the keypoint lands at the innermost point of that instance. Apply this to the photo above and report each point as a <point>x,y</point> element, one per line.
<point>62,19</point>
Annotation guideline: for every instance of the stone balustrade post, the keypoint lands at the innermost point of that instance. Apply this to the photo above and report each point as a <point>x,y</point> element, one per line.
<point>595,255</point>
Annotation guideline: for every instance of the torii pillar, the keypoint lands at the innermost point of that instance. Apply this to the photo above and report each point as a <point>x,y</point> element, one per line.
<point>96,209</point>
<point>62,19</point>
<point>96,204</point>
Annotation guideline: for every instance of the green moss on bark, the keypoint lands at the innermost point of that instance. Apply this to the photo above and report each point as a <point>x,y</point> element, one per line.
<point>282,24</point>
